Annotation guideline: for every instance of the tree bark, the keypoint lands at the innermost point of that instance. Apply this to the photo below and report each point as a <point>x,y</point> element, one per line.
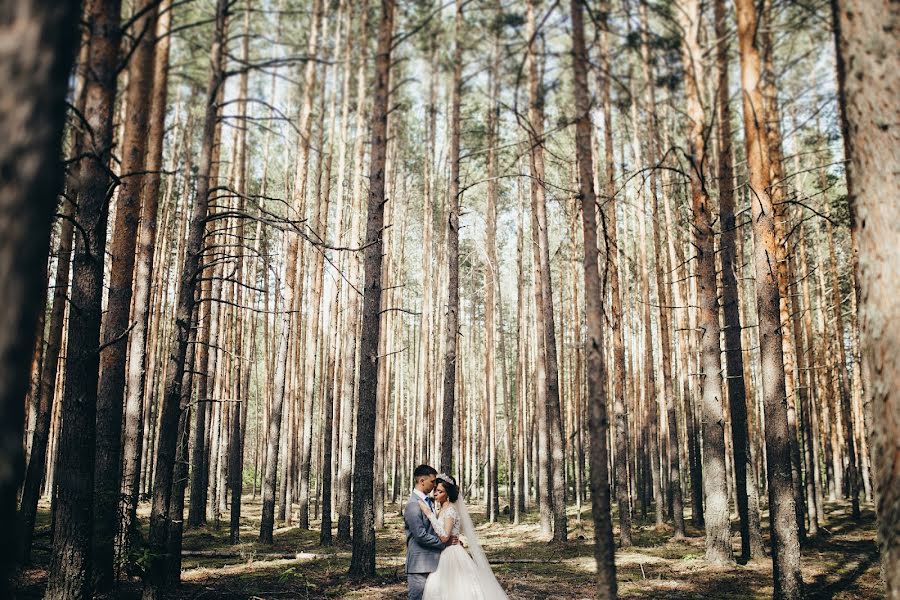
<point>554,492</point>
<point>38,46</point>
<point>785,537</point>
<point>867,46</point>
<point>716,516</point>
<point>34,474</point>
<point>777,192</point>
<point>452,326</point>
<point>611,240</point>
<point>362,561</point>
<point>132,436</point>
<point>116,326</point>
<point>160,517</point>
<point>348,359</point>
<point>751,538</point>
<point>72,509</point>
<point>490,287</point>
<point>604,547</point>
<point>662,288</point>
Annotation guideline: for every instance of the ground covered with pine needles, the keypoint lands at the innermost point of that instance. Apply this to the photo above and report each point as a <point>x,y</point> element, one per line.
<point>842,562</point>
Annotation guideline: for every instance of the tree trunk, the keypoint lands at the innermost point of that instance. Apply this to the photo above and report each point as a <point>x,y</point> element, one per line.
<point>865,34</point>
<point>36,69</point>
<point>554,492</point>
<point>362,562</point>
<point>604,548</point>
<point>521,364</point>
<point>199,465</point>
<point>348,359</point>
<point>785,537</point>
<point>328,429</point>
<point>490,288</point>
<point>242,332</point>
<point>716,515</point>
<point>541,444</point>
<point>751,538</point>
<point>155,577</point>
<point>116,322</point>
<point>320,231</point>
<point>452,327</point>
<point>72,509</point>
<point>132,437</point>
<point>662,288</point>
<point>34,475</point>
<point>179,479</point>
<point>843,384</point>
<point>611,241</point>
<point>772,120</point>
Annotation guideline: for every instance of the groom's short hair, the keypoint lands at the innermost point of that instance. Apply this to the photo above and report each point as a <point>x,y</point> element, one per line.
<point>423,471</point>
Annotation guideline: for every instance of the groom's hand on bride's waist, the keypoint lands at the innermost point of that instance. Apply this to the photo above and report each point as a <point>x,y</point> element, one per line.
<point>454,540</point>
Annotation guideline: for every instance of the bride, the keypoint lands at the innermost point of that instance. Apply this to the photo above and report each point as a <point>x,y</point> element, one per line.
<point>458,575</point>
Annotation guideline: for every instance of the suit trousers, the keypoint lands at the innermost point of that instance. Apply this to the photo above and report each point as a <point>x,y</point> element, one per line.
<point>416,584</point>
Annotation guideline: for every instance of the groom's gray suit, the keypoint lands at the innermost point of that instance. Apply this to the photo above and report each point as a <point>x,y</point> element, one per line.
<point>423,547</point>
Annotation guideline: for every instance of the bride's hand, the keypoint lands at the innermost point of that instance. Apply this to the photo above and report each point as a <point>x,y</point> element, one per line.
<point>424,508</point>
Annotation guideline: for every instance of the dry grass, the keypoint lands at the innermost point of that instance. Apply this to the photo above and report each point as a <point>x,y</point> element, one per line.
<point>841,563</point>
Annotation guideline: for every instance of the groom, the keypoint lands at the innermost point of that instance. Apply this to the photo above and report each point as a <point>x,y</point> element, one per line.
<point>423,546</point>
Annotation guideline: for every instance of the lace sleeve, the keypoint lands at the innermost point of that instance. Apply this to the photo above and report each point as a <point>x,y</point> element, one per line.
<point>437,525</point>
<point>452,517</point>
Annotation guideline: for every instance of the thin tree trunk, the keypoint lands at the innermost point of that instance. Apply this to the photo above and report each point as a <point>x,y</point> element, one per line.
<point>349,359</point>
<point>199,469</point>
<point>362,562</point>
<point>155,577</point>
<point>328,429</point>
<point>751,539</point>
<point>490,292</point>
<point>136,372</point>
<point>716,515</point>
<point>843,384</point>
<point>615,314</point>
<point>452,327</point>
<point>604,547</point>
<point>521,364</point>
<point>555,489</point>
<point>772,120</point>
<point>180,479</point>
<point>34,474</point>
<point>542,445</point>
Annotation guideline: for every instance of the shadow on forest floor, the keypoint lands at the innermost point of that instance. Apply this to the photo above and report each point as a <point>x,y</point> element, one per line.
<point>841,562</point>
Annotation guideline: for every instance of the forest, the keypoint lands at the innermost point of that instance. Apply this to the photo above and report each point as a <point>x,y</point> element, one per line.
<point>626,271</point>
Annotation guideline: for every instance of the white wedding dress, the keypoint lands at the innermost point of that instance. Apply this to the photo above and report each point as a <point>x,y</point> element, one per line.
<point>460,576</point>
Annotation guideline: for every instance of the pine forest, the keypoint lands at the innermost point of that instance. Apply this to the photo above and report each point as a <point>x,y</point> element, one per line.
<point>609,289</point>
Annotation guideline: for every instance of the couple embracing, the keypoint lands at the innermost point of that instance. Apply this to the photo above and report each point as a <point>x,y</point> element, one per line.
<point>437,566</point>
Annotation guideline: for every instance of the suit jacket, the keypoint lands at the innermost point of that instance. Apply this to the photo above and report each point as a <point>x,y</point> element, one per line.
<point>423,546</point>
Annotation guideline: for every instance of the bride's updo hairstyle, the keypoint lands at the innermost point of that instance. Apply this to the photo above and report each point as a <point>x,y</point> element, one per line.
<point>449,486</point>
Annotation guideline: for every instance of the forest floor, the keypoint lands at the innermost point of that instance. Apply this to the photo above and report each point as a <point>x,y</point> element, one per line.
<point>842,562</point>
